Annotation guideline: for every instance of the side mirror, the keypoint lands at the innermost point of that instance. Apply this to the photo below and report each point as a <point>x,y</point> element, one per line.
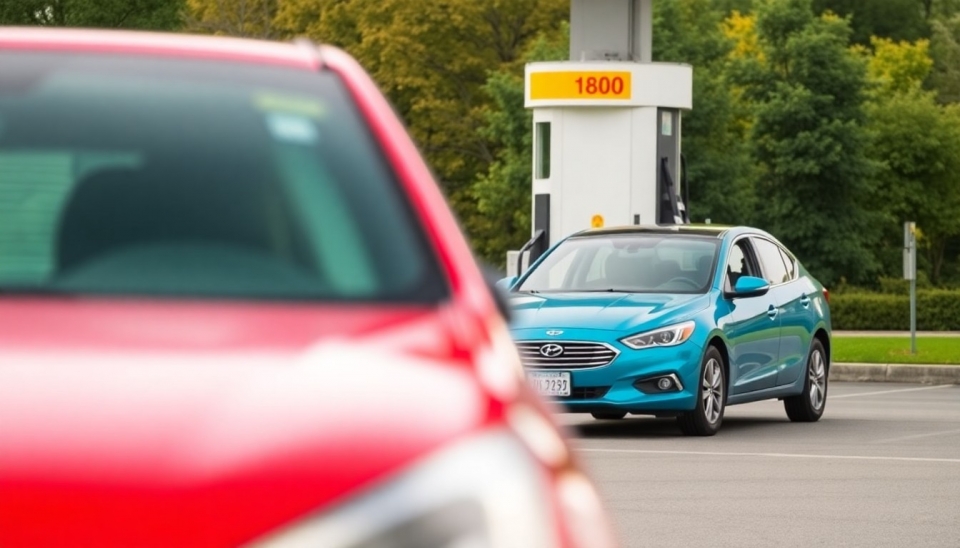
<point>506,283</point>
<point>750,286</point>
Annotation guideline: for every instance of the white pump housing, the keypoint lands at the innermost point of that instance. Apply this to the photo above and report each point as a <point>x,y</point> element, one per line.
<point>607,128</point>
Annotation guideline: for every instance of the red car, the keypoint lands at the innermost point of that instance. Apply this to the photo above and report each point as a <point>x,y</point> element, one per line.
<point>236,310</point>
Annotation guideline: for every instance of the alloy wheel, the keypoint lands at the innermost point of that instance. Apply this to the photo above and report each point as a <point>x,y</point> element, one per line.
<point>712,393</point>
<point>808,404</point>
<point>818,380</point>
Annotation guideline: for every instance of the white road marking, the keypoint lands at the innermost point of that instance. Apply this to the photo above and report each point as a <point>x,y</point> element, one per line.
<point>889,391</point>
<point>769,455</point>
<point>918,436</point>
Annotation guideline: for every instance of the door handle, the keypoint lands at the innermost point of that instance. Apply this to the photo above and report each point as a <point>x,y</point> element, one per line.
<point>805,301</point>
<point>772,312</point>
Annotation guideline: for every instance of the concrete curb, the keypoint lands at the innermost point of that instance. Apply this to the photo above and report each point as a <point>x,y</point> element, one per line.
<point>894,372</point>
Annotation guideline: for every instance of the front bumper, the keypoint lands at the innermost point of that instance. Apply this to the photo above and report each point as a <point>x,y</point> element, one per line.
<point>614,387</point>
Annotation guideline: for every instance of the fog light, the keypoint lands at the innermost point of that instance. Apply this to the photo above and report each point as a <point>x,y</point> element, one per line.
<point>659,384</point>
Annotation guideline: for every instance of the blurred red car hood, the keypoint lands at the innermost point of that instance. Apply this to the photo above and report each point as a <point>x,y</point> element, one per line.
<point>208,425</point>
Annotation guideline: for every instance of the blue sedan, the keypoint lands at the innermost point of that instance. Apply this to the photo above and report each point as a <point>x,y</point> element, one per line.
<point>673,321</point>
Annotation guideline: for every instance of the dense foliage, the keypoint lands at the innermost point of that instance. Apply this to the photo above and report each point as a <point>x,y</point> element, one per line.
<point>827,122</point>
<point>135,14</point>
<point>937,310</point>
<point>808,137</point>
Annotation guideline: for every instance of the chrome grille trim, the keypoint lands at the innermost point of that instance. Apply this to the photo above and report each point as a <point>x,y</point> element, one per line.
<point>576,354</point>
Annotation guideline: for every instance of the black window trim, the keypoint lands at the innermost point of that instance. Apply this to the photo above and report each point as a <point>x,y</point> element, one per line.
<point>796,263</point>
<point>780,247</point>
<point>753,261</point>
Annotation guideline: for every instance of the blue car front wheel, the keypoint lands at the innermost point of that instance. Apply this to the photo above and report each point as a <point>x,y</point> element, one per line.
<point>706,417</point>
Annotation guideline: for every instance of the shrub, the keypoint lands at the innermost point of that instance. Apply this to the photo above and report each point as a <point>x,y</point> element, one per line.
<point>899,286</point>
<point>937,310</point>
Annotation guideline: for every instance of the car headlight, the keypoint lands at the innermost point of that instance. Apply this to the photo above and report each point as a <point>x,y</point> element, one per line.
<point>485,492</point>
<point>665,336</point>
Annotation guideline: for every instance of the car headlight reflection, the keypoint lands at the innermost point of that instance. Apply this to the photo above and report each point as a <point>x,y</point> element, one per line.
<point>665,336</point>
<point>486,492</point>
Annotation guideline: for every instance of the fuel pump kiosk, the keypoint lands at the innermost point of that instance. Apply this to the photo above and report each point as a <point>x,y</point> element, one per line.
<point>606,129</point>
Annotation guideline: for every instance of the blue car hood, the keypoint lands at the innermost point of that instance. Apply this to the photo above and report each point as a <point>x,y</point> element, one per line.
<point>626,312</point>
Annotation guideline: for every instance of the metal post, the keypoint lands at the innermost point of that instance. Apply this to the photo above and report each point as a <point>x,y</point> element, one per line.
<point>913,315</point>
<point>641,31</point>
<point>910,273</point>
<point>611,30</point>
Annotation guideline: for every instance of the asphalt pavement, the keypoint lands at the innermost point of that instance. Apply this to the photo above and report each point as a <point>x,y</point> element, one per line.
<point>881,468</point>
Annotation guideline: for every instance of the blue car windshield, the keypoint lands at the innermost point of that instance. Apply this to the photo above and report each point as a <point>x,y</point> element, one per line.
<point>629,263</point>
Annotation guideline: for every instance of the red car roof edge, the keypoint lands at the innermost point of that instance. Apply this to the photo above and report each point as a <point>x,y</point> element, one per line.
<point>160,44</point>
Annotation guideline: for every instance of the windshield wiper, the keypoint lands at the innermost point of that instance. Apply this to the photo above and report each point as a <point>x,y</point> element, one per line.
<point>608,290</point>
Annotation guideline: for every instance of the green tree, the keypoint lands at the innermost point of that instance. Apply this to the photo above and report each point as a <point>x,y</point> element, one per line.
<point>919,143</point>
<point>128,14</point>
<point>945,50</point>
<point>808,138</point>
<point>717,160</point>
<point>916,142</point>
<point>939,9</point>
<point>897,67</point>
<point>895,19</point>
<point>247,18</point>
<point>727,7</point>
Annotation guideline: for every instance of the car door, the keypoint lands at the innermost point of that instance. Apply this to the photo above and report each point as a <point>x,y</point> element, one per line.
<point>752,325</point>
<point>797,320</point>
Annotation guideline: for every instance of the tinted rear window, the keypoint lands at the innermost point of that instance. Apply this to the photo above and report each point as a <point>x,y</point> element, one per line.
<point>147,176</point>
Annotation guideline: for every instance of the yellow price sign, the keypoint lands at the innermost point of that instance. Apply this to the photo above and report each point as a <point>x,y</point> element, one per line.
<point>597,221</point>
<point>580,85</point>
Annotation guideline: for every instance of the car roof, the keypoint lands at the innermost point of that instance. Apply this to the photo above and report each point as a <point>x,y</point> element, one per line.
<point>295,55</point>
<point>718,231</point>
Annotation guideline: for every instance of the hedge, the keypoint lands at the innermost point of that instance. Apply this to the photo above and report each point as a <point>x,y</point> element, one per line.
<point>937,310</point>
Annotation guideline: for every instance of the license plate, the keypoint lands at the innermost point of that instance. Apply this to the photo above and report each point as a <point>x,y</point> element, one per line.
<point>550,383</point>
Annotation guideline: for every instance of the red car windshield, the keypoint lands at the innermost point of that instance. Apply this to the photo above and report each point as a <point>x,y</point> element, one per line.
<point>123,175</point>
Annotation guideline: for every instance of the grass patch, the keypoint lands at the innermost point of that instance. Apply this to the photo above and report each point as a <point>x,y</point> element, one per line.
<point>931,350</point>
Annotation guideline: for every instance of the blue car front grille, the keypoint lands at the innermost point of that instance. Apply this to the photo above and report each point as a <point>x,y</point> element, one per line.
<point>565,354</point>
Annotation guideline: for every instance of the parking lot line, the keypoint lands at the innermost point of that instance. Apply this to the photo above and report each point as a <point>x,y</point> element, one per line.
<point>854,395</point>
<point>918,436</point>
<point>768,455</point>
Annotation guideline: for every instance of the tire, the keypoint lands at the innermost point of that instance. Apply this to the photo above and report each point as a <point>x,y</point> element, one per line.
<point>609,415</point>
<point>707,416</point>
<point>808,406</point>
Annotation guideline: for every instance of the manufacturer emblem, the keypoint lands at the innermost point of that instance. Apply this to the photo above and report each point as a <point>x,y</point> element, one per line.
<point>554,332</point>
<point>551,350</point>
